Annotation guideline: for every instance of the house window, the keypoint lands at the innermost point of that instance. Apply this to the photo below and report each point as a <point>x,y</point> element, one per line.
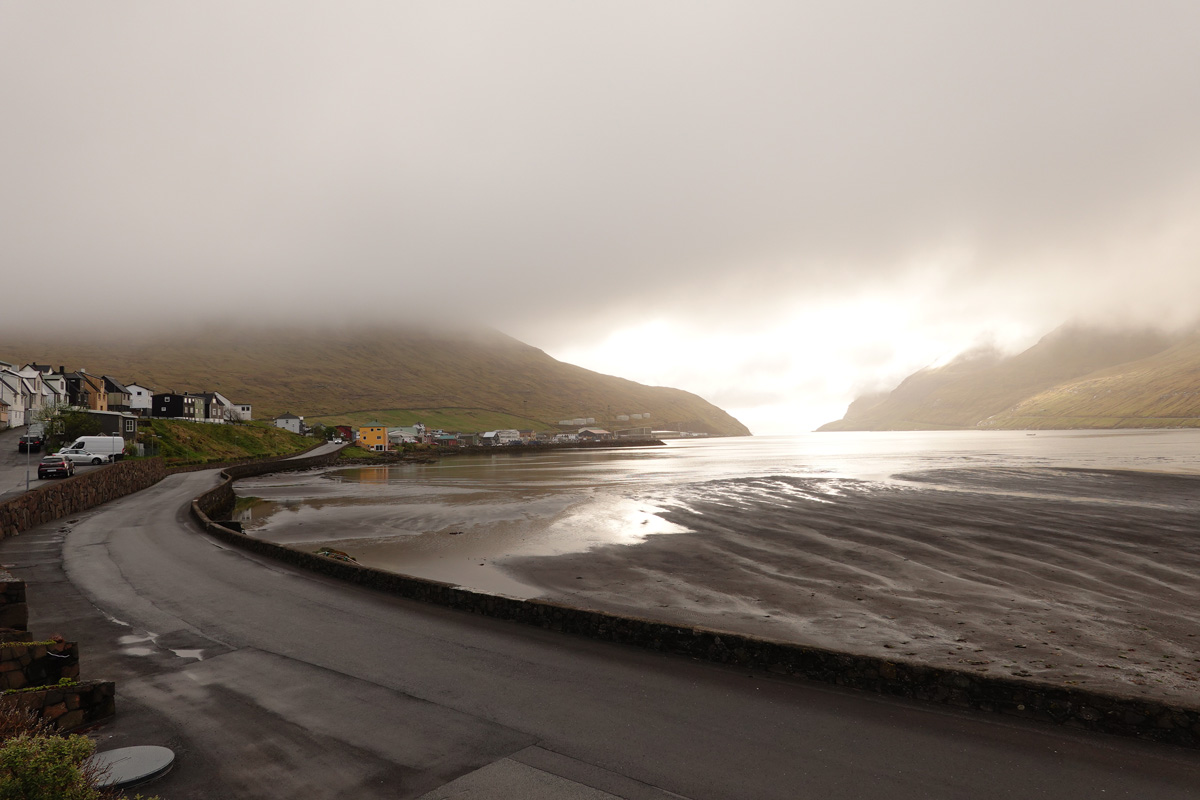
<point>129,426</point>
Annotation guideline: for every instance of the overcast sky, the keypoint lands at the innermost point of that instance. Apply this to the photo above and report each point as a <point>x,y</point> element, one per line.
<point>775,205</point>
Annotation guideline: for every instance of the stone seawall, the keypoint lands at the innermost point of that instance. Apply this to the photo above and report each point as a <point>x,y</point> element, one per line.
<point>219,501</point>
<point>1030,699</point>
<point>72,495</point>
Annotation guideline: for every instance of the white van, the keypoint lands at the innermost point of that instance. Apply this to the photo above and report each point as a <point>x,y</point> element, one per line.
<point>109,448</point>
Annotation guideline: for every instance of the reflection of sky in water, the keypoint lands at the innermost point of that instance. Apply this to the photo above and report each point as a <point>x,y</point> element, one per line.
<point>482,507</point>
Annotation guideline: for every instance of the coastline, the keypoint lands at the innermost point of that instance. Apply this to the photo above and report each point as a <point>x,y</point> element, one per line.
<point>1111,710</point>
<point>1079,577</point>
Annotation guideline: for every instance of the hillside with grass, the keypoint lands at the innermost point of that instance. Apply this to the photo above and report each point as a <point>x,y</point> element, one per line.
<point>1075,377</point>
<point>470,380</point>
<point>181,443</point>
<point>1161,391</point>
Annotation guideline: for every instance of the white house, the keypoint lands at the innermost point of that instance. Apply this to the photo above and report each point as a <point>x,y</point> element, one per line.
<point>243,411</point>
<point>290,422</point>
<point>500,437</point>
<point>19,393</point>
<point>406,433</point>
<point>10,397</point>
<point>141,399</point>
<point>33,380</point>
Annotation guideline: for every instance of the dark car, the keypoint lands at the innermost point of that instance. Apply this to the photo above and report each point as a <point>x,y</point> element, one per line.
<point>55,465</point>
<point>30,443</point>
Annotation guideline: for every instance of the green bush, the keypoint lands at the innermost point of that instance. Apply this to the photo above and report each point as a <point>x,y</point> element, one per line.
<point>46,768</point>
<point>37,764</point>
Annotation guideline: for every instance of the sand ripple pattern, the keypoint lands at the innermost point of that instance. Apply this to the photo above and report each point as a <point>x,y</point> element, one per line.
<point>1079,577</point>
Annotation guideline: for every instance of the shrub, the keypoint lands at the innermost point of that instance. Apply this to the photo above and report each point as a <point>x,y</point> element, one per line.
<point>36,764</point>
<point>46,768</point>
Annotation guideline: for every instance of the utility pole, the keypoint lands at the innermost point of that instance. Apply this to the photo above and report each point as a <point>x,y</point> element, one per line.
<point>28,446</point>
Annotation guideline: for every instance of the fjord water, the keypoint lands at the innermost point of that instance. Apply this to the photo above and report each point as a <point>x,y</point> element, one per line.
<point>460,518</point>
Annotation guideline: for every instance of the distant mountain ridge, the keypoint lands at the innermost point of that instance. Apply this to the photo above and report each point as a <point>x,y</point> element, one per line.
<point>322,371</point>
<point>1075,377</point>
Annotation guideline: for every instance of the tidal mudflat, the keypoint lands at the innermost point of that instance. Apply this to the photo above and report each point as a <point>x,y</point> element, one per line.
<point>1076,563</point>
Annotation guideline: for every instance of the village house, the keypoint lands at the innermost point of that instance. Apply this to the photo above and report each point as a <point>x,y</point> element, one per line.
<point>118,394</point>
<point>407,434</point>
<point>141,399</point>
<point>11,400</point>
<point>174,405</point>
<point>594,435</point>
<point>117,423</point>
<point>85,391</point>
<point>372,436</point>
<point>290,422</point>
<point>500,438</point>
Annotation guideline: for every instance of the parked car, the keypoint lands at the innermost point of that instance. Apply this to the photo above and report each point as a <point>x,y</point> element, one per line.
<point>110,448</point>
<point>81,457</point>
<point>30,443</point>
<point>55,465</point>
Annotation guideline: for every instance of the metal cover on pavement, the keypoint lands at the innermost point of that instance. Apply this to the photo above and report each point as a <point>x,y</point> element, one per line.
<point>128,766</point>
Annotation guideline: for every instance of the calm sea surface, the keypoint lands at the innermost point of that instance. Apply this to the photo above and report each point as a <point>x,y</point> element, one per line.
<point>436,519</point>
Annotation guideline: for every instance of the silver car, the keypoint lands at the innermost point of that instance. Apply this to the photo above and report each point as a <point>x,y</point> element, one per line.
<point>81,456</point>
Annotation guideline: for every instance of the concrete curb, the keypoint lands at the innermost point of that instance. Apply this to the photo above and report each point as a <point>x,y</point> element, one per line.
<point>1029,699</point>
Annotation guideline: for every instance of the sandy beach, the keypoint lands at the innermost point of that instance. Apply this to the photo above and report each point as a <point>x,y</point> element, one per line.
<point>1077,577</point>
<point>1072,558</point>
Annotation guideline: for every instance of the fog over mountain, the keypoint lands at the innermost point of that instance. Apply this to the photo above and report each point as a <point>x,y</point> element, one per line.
<point>775,205</point>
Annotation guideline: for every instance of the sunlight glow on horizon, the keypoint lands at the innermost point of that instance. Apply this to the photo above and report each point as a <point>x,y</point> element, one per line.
<point>794,373</point>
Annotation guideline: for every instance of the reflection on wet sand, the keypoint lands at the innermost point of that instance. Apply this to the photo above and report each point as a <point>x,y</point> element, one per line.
<point>990,552</point>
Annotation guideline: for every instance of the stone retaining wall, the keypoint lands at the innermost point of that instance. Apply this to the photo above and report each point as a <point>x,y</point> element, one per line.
<point>14,613</point>
<point>68,708</point>
<point>37,664</point>
<point>1031,699</point>
<point>219,501</point>
<point>79,493</point>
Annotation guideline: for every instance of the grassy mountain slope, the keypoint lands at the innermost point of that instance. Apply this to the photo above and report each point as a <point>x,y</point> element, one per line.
<point>326,372</point>
<point>981,386</point>
<point>1162,390</point>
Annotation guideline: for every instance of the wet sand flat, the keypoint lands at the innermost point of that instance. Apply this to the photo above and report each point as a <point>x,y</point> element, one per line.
<point>1077,577</point>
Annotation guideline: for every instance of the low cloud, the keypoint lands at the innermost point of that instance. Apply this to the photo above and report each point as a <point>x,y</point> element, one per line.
<point>567,173</point>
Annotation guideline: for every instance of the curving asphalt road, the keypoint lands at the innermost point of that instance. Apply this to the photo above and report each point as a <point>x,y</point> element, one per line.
<point>272,683</point>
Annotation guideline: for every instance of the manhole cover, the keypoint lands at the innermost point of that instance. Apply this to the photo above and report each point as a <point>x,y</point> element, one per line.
<point>129,766</point>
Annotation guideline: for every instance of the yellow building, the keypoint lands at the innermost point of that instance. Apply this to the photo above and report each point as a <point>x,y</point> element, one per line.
<point>92,392</point>
<point>372,436</point>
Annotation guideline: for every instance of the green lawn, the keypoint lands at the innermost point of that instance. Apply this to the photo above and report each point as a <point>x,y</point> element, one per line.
<point>179,442</point>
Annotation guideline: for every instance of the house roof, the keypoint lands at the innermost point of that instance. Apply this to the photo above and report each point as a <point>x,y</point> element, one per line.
<point>125,414</point>
<point>114,386</point>
<point>287,416</point>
